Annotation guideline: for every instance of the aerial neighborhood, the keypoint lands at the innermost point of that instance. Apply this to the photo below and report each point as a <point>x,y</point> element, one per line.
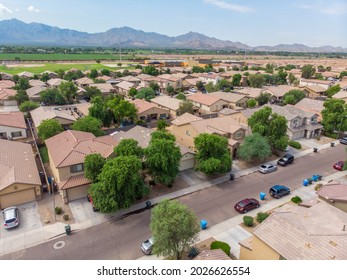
<point>114,137</point>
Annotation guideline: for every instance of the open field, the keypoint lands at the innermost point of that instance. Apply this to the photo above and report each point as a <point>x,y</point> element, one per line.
<point>61,56</point>
<point>39,68</point>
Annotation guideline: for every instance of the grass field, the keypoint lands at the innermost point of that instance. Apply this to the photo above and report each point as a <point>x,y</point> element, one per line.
<point>56,66</point>
<point>61,56</point>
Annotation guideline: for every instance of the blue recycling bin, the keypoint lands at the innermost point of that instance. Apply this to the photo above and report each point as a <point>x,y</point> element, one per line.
<point>305,183</point>
<point>315,178</point>
<point>262,195</point>
<point>203,224</point>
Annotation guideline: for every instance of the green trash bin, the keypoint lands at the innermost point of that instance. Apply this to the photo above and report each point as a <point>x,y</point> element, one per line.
<point>68,230</point>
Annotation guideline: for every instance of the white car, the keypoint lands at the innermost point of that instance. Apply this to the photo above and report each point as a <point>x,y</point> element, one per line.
<point>192,90</point>
<point>147,246</point>
<point>267,168</point>
<point>11,217</point>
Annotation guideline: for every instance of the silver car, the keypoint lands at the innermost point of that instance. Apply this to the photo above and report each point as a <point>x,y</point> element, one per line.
<point>147,246</point>
<point>11,217</point>
<point>267,168</point>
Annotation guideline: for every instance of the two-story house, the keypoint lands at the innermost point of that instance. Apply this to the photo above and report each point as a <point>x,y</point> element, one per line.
<point>12,125</point>
<point>67,151</point>
<point>210,78</point>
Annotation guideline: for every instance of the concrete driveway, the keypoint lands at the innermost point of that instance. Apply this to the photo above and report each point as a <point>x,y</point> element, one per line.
<point>29,220</point>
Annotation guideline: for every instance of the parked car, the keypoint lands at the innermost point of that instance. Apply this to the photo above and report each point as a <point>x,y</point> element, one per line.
<point>11,217</point>
<point>192,90</point>
<point>285,160</point>
<point>343,140</point>
<point>246,204</point>
<point>147,246</point>
<point>339,165</point>
<point>278,191</point>
<point>267,168</point>
<point>92,203</point>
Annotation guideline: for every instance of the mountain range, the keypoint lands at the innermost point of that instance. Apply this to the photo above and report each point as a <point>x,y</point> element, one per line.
<point>16,32</point>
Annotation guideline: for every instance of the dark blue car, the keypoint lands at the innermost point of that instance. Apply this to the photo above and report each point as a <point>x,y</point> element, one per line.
<point>278,191</point>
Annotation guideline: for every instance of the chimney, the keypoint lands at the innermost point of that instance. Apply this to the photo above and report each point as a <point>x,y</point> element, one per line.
<point>344,228</point>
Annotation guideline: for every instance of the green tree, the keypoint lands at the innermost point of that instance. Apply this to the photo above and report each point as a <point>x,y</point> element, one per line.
<point>186,106</point>
<point>332,90</point>
<point>100,111</point>
<point>93,164</point>
<point>181,96</point>
<point>60,73</point>
<point>145,93</point>
<point>150,70</point>
<point>198,69</point>
<point>213,155</point>
<point>307,71</point>
<point>133,92</point>
<point>88,124</point>
<point>105,72</point>
<point>92,92</point>
<point>251,103</point>
<point>174,229</point>
<point>291,78</point>
<point>270,125</point>
<point>293,96</point>
<point>334,115</point>
<point>343,74</point>
<point>28,106</point>
<point>93,74</point>
<point>21,96</point>
<point>154,86</point>
<point>49,128</point>
<point>161,125</point>
<point>163,158</point>
<point>52,97</point>
<point>236,80</point>
<point>256,80</point>
<point>281,77</point>
<point>119,184</point>
<point>69,90</point>
<point>44,77</point>
<point>170,90</point>
<point>129,147</point>
<point>122,110</point>
<point>254,148</point>
<point>263,98</point>
<point>22,84</point>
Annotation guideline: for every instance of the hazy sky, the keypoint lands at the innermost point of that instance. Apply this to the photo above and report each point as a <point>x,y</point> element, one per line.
<point>253,22</point>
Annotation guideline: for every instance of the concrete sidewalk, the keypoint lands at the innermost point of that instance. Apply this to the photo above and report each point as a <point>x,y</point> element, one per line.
<point>223,231</point>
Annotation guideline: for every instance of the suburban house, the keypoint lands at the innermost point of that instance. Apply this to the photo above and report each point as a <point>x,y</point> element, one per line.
<point>277,92</point>
<point>342,94</point>
<point>34,92</point>
<point>171,80</point>
<point>124,87</point>
<point>314,91</point>
<point>6,84</point>
<point>249,91</point>
<point>67,151</point>
<point>25,75</point>
<point>169,103</point>
<point>235,100</point>
<point>105,88</point>
<point>207,103</point>
<point>188,126</point>
<point>148,111</point>
<point>143,136</point>
<point>335,194</point>
<point>84,82</point>
<point>209,78</point>
<point>298,233</point>
<point>35,83</point>
<point>6,94</point>
<point>6,76</point>
<point>300,123</point>
<point>131,79</point>
<point>55,82</point>
<point>50,74</point>
<point>20,181</point>
<point>12,125</point>
<point>312,82</point>
<point>311,105</point>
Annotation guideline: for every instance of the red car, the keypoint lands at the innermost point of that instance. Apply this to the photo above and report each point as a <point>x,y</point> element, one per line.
<point>247,204</point>
<point>339,165</point>
<point>89,198</point>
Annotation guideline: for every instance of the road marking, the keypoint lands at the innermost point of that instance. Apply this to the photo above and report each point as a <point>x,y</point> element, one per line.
<point>58,245</point>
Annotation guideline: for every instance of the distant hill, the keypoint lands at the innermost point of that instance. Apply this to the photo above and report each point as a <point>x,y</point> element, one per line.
<point>17,32</point>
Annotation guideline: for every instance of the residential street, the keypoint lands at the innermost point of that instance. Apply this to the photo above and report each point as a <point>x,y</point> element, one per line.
<point>122,239</point>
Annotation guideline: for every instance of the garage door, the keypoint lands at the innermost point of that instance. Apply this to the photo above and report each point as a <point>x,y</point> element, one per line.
<point>187,164</point>
<point>17,198</point>
<point>77,193</point>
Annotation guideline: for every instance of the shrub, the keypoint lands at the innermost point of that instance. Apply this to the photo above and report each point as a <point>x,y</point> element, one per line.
<point>294,144</point>
<point>318,186</point>
<point>248,221</point>
<point>193,252</point>
<point>58,210</point>
<point>261,216</point>
<point>66,217</point>
<point>296,199</point>
<point>221,245</point>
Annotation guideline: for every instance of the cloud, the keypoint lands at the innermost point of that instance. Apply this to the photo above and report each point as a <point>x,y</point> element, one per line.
<point>334,9</point>
<point>4,10</point>
<point>228,6</point>
<point>33,9</point>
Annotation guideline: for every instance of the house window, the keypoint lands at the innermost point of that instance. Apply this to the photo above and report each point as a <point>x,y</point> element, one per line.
<point>76,168</point>
<point>16,134</point>
<point>238,135</point>
<point>3,135</point>
<point>313,120</point>
<point>295,123</point>
<point>187,133</point>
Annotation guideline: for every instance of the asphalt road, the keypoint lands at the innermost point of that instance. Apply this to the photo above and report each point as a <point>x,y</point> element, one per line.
<point>122,239</point>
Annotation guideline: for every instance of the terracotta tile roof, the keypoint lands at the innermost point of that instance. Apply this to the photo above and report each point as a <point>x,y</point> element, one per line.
<point>144,76</point>
<point>220,125</point>
<point>323,82</point>
<point>251,92</point>
<point>311,105</point>
<point>7,84</point>
<point>125,85</point>
<point>217,254</point>
<point>169,77</point>
<point>227,111</point>
<point>143,105</point>
<point>342,94</point>
<point>17,164</point>
<point>209,75</point>
<point>167,102</point>
<point>35,91</point>
<point>70,147</point>
<point>55,82</point>
<point>130,79</point>
<point>35,83</point>
<point>13,119</point>
<point>335,191</point>
<point>204,99</point>
<point>141,134</point>
<point>316,88</point>
<point>84,81</point>
<point>104,88</point>
<point>25,74</point>
<point>105,78</point>
<point>280,90</point>
<point>42,113</point>
<point>5,93</point>
<point>227,96</point>
<point>74,181</point>
<point>185,119</point>
<point>300,233</point>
